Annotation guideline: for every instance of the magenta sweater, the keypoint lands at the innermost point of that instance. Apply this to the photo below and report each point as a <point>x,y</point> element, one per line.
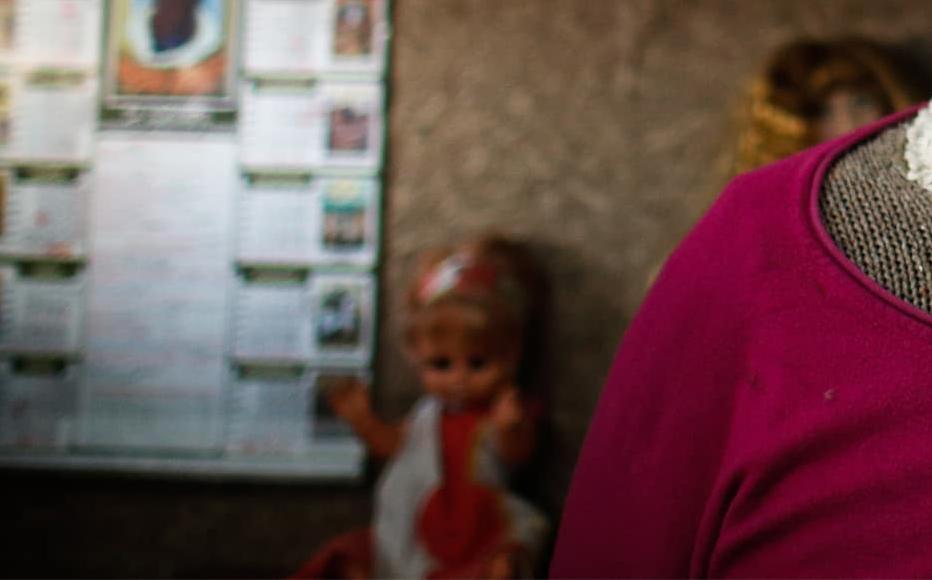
<point>769,412</point>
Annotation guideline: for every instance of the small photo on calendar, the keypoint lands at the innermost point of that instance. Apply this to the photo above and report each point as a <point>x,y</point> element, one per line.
<point>339,321</point>
<point>348,235</point>
<point>352,124</point>
<point>348,127</point>
<point>342,318</point>
<point>353,28</point>
<point>345,207</point>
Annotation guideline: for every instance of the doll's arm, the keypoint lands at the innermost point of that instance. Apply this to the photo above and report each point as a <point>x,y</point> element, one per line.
<point>514,427</point>
<point>351,402</point>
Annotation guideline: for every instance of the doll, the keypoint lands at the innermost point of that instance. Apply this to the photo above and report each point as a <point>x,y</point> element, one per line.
<point>811,91</point>
<point>443,507</point>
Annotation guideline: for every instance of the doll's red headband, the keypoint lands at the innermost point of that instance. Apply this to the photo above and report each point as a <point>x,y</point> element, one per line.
<point>463,275</point>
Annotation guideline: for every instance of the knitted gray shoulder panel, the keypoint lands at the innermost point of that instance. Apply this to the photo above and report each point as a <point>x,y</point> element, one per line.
<point>881,220</point>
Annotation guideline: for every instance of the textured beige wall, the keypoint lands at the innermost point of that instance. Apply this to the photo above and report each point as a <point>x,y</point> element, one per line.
<point>589,127</point>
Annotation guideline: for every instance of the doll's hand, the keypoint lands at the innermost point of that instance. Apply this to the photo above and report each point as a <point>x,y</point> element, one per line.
<point>513,427</point>
<point>501,567</point>
<point>508,562</point>
<point>350,400</point>
<point>507,411</point>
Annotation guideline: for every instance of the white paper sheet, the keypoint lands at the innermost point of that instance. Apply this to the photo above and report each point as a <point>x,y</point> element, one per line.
<point>37,412</point>
<point>315,37</point>
<point>281,127</point>
<point>44,218</point>
<point>58,33</point>
<point>67,136</point>
<point>161,216</point>
<point>45,316</point>
<point>285,36</point>
<point>334,125</point>
<point>277,225</point>
<point>273,321</point>
<point>269,417</point>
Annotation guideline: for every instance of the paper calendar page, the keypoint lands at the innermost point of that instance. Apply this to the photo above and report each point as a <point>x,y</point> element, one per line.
<point>44,315</point>
<point>37,410</point>
<point>157,312</point>
<point>272,321</point>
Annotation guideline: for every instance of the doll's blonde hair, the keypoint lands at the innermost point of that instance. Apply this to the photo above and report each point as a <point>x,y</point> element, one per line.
<point>778,116</point>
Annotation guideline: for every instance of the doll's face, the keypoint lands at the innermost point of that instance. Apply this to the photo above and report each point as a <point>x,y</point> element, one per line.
<point>461,370</point>
<point>845,110</point>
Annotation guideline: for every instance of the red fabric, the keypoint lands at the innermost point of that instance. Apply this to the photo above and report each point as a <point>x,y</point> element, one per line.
<point>461,519</point>
<point>347,556</point>
<point>769,412</point>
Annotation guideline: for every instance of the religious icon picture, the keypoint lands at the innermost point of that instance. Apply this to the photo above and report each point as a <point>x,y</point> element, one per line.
<point>353,29</point>
<point>171,51</point>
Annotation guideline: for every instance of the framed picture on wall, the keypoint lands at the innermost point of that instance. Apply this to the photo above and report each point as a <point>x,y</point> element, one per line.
<point>177,55</point>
